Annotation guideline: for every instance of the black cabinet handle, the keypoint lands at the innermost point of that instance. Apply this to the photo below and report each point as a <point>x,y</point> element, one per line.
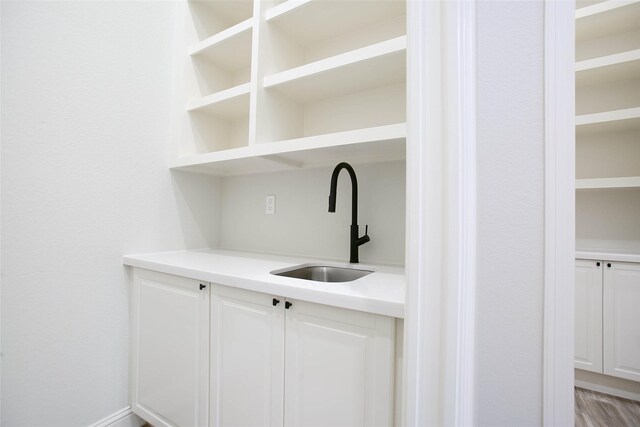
<point>275,302</point>
<point>598,264</point>
<point>287,305</point>
<point>609,265</point>
<point>202,286</point>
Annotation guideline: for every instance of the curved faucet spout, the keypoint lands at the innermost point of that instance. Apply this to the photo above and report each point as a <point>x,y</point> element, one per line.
<point>354,190</point>
<point>355,240</point>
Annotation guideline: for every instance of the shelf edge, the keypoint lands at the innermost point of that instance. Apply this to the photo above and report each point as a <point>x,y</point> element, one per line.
<point>607,183</point>
<point>602,7</point>
<point>282,148</point>
<point>608,116</point>
<point>605,61</point>
<point>386,47</point>
<point>222,36</point>
<point>283,8</point>
<point>218,97</point>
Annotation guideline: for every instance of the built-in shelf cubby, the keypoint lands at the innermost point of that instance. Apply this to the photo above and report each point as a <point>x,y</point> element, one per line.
<point>608,122</point>
<point>209,18</point>
<point>307,31</point>
<point>276,85</point>
<point>223,61</point>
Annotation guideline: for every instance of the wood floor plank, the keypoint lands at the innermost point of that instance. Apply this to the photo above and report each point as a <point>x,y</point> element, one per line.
<point>593,409</point>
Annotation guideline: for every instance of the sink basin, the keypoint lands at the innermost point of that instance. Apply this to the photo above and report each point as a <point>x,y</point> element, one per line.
<point>323,273</point>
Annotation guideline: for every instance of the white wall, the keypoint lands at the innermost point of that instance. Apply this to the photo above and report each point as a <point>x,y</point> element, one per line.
<point>510,214</point>
<point>302,224</point>
<point>86,105</point>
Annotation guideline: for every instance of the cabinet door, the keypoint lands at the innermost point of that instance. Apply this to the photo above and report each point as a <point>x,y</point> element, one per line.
<point>170,349</point>
<point>339,367</point>
<point>622,320</point>
<point>247,359</point>
<point>588,316</point>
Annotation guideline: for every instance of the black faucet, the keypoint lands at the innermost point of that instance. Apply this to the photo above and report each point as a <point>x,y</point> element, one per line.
<point>355,240</point>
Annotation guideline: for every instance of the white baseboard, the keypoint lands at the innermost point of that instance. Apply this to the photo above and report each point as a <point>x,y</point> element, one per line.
<point>123,418</point>
<point>606,384</point>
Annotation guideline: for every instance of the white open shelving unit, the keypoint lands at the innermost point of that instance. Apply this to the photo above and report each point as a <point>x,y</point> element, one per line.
<point>608,122</point>
<point>608,86</point>
<point>272,85</point>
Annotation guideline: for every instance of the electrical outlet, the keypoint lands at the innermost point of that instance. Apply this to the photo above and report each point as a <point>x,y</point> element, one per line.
<point>270,204</point>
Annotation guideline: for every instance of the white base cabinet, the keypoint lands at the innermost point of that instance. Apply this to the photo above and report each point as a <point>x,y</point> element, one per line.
<point>247,359</point>
<point>607,322</point>
<point>169,349</point>
<point>621,317</point>
<point>278,362</point>
<point>222,356</point>
<point>339,367</point>
<point>588,316</point>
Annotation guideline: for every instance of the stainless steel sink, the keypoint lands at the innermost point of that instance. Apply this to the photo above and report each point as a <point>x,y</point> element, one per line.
<point>323,273</point>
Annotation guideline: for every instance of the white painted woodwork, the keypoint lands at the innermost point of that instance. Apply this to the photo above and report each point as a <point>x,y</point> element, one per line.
<point>616,67</point>
<point>318,79</point>
<point>621,315</point>
<point>621,182</point>
<point>230,48</point>
<point>339,367</point>
<point>225,356</point>
<point>170,349</point>
<point>345,73</point>
<point>588,315</point>
<point>559,214</point>
<point>607,121</point>
<point>356,146</point>
<point>247,360</point>
<point>311,21</point>
<point>607,384</point>
<point>606,27</point>
<point>209,18</point>
<point>228,104</point>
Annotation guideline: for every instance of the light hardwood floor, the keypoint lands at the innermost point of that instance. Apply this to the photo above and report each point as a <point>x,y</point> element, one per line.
<point>595,409</point>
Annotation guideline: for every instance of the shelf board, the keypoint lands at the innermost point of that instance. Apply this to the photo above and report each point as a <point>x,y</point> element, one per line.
<point>228,104</point>
<point>608,183</point>
<point>606,18</point>
<point>611,68</point>
<point>378,65</point>
<point>609,121</point>
<point>377,144</point>
<point>309,21</point>
<point>231,47</point>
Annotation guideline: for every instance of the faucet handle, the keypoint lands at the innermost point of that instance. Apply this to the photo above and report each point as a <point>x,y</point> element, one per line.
<point>364,239</point>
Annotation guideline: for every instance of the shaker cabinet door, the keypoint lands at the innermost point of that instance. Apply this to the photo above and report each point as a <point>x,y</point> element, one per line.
<point>622,320</point>
<point>170,349</point>
<point>247,360</point>
<point>588,316</point>
<point>339,367</point>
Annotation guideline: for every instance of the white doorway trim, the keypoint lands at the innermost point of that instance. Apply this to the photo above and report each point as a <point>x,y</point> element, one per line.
<point>441,214</point>
<point>559,164</point>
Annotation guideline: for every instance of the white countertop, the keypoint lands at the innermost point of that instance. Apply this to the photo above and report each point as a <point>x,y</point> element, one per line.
<point>608,250</point>
<point>381,292</point>
<point>608,255</point>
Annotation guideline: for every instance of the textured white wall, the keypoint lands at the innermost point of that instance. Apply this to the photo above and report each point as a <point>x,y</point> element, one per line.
<point>510,214</point>
<point>86,104</point>
<point>302,224</point>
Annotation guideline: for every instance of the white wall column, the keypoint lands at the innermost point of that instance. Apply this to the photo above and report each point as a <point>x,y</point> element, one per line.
<point>559,45</point>
<point>439,322</point>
